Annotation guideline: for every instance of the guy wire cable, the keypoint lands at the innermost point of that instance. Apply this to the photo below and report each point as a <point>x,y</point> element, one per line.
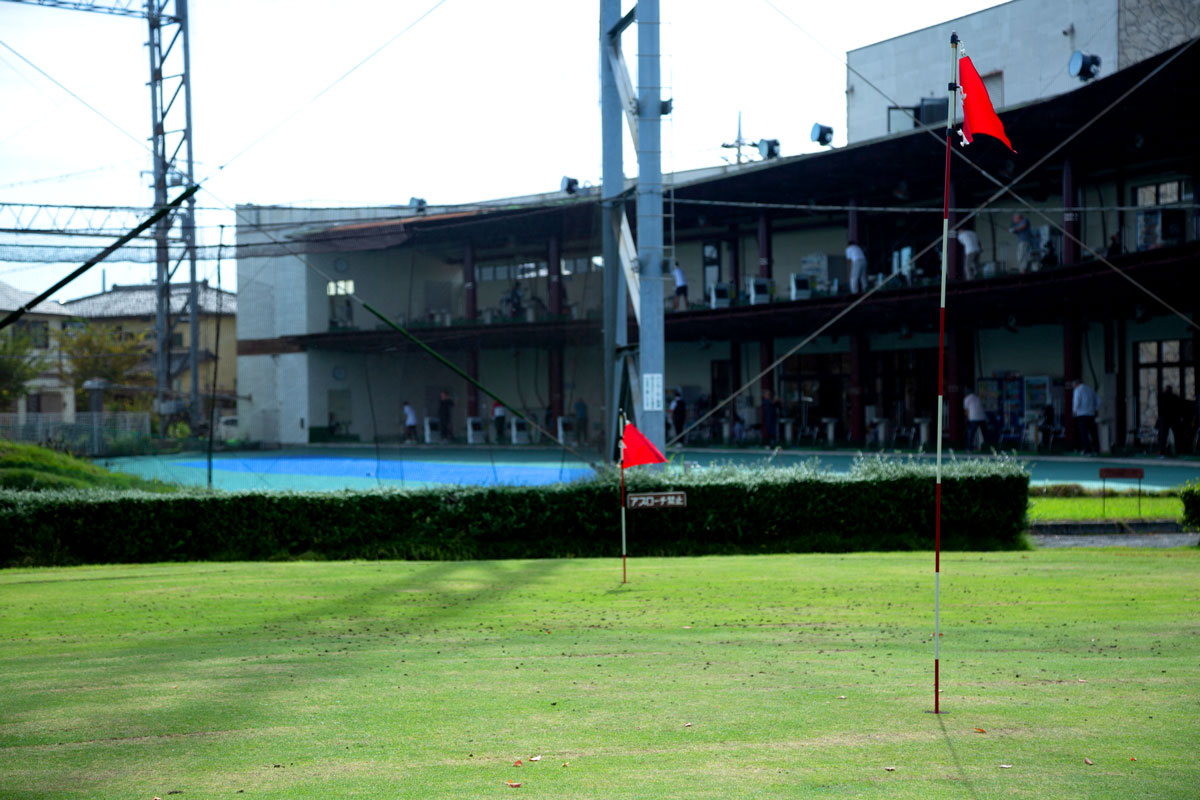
<point>374,420</point>
<point>212,396</point>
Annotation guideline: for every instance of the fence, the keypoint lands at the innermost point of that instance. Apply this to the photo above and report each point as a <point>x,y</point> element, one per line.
<point>92,433</point>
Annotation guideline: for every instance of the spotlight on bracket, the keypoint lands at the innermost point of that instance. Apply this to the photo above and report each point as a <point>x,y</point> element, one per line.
<point>768,148</point>
<point>1084,66</point>
<point>822,134</point>
<point>418,204</point>
<point>569,185</point>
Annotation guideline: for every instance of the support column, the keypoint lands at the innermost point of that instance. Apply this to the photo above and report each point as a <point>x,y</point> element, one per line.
<point>735,264</point>
<point>735,377</point>
<point>859,353</point>
<point>470,304</point>
<point>1072,371</point>
<point>1121,407</point>
<point>555,375</point>
<point>1070,249</point>
<point>554,274</point>
<point>651,340</point>
<point>766,261</point>
<point>766,356</point>
<point>473,371</point>
<point>611,208</point>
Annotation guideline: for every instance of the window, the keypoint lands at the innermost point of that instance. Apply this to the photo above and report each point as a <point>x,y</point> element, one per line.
<point>335,288</point>
<point>1158,365</point>
<point>37,331</point>
<point>341,310</point>
<point>1162,222</point>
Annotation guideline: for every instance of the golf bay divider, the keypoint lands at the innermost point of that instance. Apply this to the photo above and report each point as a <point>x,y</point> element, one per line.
<point>878,505</point>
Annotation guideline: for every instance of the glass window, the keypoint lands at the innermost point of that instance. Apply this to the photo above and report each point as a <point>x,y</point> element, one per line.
<point>1147,352</point>
<point>334,288</point>
<point>1168,192</point>
<point>1146,196</point>
<point>1170,351</point>
<point>1147,397</point>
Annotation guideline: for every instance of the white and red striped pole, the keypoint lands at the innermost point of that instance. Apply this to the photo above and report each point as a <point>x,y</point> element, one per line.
<point>621,466</point>
<point>937,494</point>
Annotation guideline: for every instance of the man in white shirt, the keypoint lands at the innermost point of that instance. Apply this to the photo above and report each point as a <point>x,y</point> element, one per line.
<point>976,418</point>
<point>410,422</point>
<point>680,287</point>
<point>969,240</point>
<point>1084,405</point>
<point>857,260</point>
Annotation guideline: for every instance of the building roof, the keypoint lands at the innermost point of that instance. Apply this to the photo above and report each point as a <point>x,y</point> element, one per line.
<point>12,298</point>
<point>140,301</point>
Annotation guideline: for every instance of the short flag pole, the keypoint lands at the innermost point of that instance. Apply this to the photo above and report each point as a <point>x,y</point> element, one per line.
<point>634,449</point>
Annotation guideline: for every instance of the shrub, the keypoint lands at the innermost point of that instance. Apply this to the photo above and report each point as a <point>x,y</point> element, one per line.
<point>879,505</point>
<point>1190,493</point>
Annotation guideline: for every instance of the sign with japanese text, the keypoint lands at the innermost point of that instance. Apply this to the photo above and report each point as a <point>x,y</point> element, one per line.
<point>656,500</point>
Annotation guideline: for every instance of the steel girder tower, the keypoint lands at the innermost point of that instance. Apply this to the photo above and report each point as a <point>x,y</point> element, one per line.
<point>173,165</point>
<point>631,373</point>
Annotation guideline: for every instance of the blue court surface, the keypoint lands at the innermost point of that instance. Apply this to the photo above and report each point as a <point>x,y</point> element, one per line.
<point>362,467</point>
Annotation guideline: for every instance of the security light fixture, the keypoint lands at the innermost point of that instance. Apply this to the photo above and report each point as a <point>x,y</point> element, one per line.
<point>768,148</point>
<point>1084,66</point>
<point>822,134</point>
<point>418,204</point>
<point>569,185</point>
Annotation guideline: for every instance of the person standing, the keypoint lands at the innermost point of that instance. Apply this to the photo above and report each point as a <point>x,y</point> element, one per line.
<point>1024,233</point>
<point>445,407</point>
<point>581,421</point>
<point>969,240</point>
<point>857,260</point>
<point>1170,418</point>
<point>678,413</point>
<point>770,417</point>
<point>1084,405</point>
<point>976,418</point>
<point>680,287</point>
<point>498,420</point>
<point>410,422</point>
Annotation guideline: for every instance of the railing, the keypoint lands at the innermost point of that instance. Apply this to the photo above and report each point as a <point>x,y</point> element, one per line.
<point>93,433</point>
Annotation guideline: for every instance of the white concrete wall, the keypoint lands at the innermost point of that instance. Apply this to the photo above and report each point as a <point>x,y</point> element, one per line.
<point>1022,39</point>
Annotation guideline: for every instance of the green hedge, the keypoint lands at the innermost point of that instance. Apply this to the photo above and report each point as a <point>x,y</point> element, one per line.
<point>1190,493</point>
<point>877,506</point>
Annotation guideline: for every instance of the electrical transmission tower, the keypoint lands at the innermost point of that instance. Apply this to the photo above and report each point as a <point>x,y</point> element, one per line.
<point>171,150</point>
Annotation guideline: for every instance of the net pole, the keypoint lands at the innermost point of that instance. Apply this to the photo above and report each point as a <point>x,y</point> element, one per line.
<point>937,494</point>
<point>621,466</point>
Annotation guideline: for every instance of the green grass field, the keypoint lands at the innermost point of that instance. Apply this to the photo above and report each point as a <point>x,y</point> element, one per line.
<point>763,677</point>
<point>1091,508</point>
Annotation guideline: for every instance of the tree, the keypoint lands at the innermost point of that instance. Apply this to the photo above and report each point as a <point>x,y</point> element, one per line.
<point>101,350</point>
<point>18,366</point>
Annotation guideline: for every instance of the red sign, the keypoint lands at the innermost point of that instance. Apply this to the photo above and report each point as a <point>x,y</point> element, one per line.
<point>656,500</point>
<point>1122,472</point>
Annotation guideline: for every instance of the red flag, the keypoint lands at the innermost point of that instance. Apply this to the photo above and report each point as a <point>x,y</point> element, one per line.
<point>978,114</point>
<point>638,449</point>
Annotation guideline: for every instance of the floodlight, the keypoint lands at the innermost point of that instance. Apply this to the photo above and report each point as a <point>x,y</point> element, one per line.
<point>569,185</point>
<point>1083,65</point>
<point>822,134</point>
<point>418,203</point>
<point>768,148</point>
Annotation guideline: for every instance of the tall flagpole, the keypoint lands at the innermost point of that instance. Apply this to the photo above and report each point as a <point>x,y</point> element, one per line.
<point>937,494</point>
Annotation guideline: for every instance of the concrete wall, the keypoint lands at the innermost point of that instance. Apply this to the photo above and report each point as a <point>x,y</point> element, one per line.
<point>1022,39</point>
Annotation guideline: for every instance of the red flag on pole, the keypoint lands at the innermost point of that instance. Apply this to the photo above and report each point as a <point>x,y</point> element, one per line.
<point>638,449</point>
<point>978,114</point>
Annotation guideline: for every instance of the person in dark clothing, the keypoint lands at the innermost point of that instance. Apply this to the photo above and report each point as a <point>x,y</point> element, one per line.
<point>678,413</point>
<point>445,406</point>
<point>770,417</point>
<point>1170,418</point>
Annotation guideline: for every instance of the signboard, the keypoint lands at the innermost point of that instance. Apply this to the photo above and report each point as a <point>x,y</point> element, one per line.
<point>1122,472</point>
<point>652,391</point>
<point>656,500</point>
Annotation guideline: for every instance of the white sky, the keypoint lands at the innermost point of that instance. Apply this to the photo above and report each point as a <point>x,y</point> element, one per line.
<point>482,99</point>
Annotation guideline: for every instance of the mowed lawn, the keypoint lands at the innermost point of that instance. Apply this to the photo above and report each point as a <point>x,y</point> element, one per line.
<point>738,677</point>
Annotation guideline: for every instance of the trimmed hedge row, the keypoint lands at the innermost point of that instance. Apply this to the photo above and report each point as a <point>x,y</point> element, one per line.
<point>1190,494</point>
<point>877,506</point>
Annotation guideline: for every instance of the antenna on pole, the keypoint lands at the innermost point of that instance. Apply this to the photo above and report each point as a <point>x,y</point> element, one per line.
<point>739,142</point>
